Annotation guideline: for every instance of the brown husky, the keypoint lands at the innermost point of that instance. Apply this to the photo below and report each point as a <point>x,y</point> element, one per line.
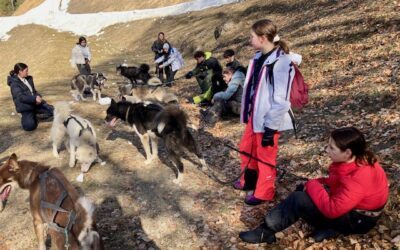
<point>55,205</point>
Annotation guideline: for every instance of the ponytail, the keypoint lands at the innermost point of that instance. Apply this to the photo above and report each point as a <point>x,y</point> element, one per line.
<point>267,28</point>
<point>17,68</point>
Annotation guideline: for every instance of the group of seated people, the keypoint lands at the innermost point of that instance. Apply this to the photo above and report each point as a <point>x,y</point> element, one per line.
<point>221,88</point>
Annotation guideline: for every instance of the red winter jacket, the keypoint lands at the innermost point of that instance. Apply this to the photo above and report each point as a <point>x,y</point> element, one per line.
<point>351,186</point>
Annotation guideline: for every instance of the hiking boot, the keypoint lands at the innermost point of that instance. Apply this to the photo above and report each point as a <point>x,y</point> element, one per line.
<point>259,235</point>
<point>252,200</point>
<point>324,234</point>
<point>237,185</point>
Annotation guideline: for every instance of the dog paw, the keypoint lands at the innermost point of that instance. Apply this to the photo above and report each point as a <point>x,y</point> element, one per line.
<point>71,164</point>
<point>178,180</point>
<point>56,155</point>
<point>148,161</point>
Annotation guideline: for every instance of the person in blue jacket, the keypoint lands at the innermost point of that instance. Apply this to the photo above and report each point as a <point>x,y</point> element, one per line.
<point>28,102</point>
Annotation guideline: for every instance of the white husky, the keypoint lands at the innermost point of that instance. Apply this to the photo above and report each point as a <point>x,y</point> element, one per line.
<point>78,136</point>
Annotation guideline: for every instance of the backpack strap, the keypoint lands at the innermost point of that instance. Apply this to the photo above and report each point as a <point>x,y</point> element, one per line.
<point>79,123</point>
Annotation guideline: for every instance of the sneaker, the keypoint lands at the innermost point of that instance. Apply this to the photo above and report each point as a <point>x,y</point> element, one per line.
<point>252,200</point>
<point>324,234</point>
<point>259,235</point>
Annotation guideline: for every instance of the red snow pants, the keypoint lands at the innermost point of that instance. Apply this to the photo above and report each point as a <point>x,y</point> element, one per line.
<point>251,143</point>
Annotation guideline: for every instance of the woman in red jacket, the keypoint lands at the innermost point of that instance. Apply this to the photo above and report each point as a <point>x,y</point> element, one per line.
<point>348,201</point>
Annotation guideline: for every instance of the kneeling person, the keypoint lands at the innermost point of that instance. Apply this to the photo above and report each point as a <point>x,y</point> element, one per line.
<point>28,102</point>
<point>228,101</point>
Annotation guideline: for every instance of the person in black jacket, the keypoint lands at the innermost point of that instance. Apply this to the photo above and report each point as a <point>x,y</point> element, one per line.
<point>28,102</point>
<point>157,48</point>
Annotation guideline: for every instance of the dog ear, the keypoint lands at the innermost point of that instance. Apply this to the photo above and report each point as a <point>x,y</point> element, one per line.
<point>113,101</point>
<point>13,163</point>
<point>123,98</point>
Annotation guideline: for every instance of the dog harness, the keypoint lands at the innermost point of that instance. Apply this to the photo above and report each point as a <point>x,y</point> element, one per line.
<point>55,207</point>
<point>79,123</point>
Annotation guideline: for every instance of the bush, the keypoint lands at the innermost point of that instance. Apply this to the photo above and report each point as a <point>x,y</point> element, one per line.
<point>6,6</point>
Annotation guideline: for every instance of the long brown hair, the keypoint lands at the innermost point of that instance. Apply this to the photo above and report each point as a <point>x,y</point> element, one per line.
<point>351,138</point>
<point>267,28</point>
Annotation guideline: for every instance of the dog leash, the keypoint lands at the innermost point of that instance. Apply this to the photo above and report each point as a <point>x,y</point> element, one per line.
<point>251,157</point>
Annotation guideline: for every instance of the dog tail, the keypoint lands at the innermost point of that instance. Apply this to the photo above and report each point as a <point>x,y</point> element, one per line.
<point>88,237</point>
<point>172,119</point>
<point>154,81</point>
<point>144,68</point>
<point>62,110</point>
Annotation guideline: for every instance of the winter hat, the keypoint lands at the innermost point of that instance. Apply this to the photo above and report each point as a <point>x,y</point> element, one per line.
<point>166,46</point>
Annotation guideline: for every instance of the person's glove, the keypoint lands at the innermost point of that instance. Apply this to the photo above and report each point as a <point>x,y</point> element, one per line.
<point>268,137</point>
<point>189,75</point>
<point>299,187</point>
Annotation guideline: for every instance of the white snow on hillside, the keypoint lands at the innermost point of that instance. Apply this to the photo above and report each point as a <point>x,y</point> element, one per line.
<point>53,14</point>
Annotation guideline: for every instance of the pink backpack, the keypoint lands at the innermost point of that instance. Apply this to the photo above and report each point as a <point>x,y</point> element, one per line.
<point>299,90</point>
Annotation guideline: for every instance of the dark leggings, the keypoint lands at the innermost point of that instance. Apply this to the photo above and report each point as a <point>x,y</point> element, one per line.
<point>299,205</point>
<point>84,69</point>
<point>29,120</point>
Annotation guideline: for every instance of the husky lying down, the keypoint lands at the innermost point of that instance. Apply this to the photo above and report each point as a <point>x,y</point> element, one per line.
<point>78,136</point>
<point>146,93</point>
<point>152,122</point>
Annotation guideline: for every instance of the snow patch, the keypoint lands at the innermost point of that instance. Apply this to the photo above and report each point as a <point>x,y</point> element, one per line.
<point>53,14</point>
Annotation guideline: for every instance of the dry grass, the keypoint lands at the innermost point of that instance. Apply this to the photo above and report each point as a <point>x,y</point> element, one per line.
<point>26,6</point>
<point>350,54</point>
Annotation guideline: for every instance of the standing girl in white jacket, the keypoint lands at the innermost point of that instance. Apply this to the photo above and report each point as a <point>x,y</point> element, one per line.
<point>171,62</point>
<point>265,110</point>
<point>81,56</point>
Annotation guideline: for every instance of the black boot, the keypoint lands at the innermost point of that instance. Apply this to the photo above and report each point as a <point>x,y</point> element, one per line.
<point>324,234</point>
<point>259,235</point>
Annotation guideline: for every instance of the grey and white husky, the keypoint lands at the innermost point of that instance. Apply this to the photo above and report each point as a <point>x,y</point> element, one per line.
<point>95,82</point>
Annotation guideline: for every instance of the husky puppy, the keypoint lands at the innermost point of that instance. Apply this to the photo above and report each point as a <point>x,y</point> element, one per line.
<point>147,93</point>
<point>152,122</point>
<point>78,136</point>
<point>55,205</point>
<point>94,82</point>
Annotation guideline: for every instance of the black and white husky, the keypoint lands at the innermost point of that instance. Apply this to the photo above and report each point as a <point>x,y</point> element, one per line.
<point>151,122</point>
<point>78,136</point>
<point>80,83</point>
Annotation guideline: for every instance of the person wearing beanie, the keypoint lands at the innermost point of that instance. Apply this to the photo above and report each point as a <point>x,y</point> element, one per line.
<point>171,61</point>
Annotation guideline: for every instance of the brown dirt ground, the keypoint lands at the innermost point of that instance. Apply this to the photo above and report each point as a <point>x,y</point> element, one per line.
<point>350,58</point>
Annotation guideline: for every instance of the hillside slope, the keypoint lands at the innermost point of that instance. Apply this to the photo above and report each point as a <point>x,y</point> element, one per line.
<point>350,58</point>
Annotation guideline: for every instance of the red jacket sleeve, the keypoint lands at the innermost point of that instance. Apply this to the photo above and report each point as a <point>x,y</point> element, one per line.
<point>336,204</point>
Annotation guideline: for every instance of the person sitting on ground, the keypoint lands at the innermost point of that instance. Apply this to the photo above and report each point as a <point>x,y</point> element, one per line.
<point>207,71</point>
<point>171,62</point>
<point>157,48</point>
<point>348,201</point>
<point>27,100</point>
<point>230,59</point>
<point>81,56</point>
<point>228,101</point>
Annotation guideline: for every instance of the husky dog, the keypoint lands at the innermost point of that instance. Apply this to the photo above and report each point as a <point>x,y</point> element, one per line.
<point>138,74</point>
<point>152,122</point>
<point>55,205</point>
<point>147,93</point>
<point>94,82</point>
<point>78,136</point>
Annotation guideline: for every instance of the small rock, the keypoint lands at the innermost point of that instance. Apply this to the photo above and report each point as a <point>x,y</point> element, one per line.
<point>233,240</point>
<point>12,113</point>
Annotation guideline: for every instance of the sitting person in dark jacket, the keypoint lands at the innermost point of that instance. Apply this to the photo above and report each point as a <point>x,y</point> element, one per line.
<point>228,101</point>
<point>27,100</point>
<point>208,73</point>
<point>348,201</point>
